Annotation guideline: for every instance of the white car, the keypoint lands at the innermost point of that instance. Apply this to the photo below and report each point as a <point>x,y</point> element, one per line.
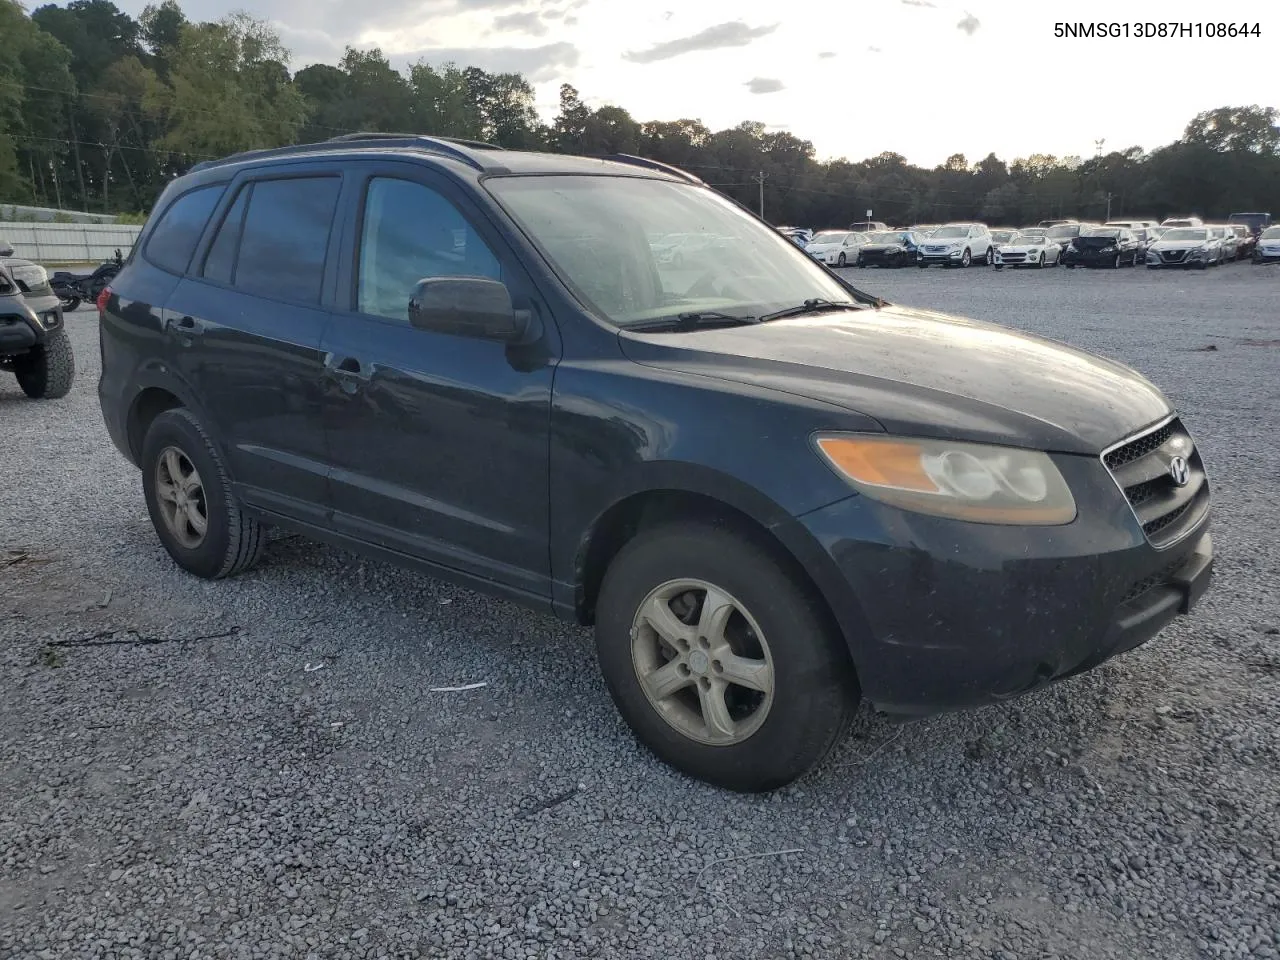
<point>957,245</point>
<point>835,248</point>
<point>1028,251</point>
<point>1228,240</point>
<point>1182,222</point>
<point>1268,248</point>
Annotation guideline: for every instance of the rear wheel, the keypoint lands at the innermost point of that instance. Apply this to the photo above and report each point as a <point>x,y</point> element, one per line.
<point>47,371</point>
<point>193,508</point>
<point>717,658</point>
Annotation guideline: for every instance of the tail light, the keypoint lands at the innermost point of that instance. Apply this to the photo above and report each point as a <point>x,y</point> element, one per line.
<point>103,297</point>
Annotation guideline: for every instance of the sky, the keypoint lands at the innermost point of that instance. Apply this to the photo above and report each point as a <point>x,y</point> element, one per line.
<point>923,78</point>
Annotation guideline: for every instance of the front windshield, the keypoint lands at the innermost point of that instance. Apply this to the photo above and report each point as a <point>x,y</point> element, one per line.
<point>1102,232</point>
<point>596,233</point>
<point>829,236</point>
<point>950,233</point>
<point>1271,233</point>
<point>1027,239</point>
<point>884,238</point>
<point>1185,234</point>
<point>1064,230</point>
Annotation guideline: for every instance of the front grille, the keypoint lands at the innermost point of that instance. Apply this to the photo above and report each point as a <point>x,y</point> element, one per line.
<point>1013,257</point>
<point>1159,578</point>
<point>1141,468</point>
<point>1172,256</point>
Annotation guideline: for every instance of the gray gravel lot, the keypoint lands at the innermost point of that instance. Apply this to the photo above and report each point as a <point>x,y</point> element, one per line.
<point>256,768</point>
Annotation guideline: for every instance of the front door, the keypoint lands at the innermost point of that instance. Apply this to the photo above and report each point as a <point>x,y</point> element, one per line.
<point>439,444</point>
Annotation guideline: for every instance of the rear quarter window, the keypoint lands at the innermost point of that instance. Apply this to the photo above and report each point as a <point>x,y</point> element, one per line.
<point>174,238</point>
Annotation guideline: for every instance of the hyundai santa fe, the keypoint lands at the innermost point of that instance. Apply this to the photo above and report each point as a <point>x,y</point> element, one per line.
<point>772,494</point>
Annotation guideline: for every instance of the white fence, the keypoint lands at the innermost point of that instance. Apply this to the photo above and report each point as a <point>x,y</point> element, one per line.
<point>54,243</point>
<point>16,211</point>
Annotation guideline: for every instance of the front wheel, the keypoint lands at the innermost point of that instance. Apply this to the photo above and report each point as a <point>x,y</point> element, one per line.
<point>991,256</point>
<point>189,497</point>
<point>966,259</point>
<point>1040,262</point>
<point>69,303</point>
<point>841,260</point>
<point>718,659</point>
<point>47,370</point>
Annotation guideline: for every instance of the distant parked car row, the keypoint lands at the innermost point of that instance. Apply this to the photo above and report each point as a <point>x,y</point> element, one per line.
<point>1176,242</point>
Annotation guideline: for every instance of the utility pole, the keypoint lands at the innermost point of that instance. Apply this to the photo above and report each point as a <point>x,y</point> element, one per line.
<point>1108,207</point>
<point>760,178</point>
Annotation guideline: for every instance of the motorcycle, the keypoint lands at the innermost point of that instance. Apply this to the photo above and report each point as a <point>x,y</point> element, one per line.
<point>74,288</point>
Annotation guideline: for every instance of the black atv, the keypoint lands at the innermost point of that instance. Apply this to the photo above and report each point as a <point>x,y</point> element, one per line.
<point>33,341</point>
<point>74,288</point>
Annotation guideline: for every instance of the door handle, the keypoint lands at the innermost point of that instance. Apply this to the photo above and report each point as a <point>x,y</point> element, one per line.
<point>185,328</point>
<point>348,371</point>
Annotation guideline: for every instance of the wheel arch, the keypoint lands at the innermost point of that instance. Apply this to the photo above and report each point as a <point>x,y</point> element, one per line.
<point>720,500</point>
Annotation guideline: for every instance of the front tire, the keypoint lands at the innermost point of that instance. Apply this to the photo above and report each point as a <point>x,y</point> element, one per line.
<point>966,259</point>
<point>990,257</point>
<point>841,260</point>
<point>718,659</point>
<point>192,506</point>
<point>1040,262</point>
<point>47,371</point>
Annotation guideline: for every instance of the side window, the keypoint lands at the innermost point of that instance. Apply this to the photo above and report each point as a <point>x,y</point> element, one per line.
<point>285,236</point>
<point>219,263</point>
<point>175,237</point>
<point>410,233</point>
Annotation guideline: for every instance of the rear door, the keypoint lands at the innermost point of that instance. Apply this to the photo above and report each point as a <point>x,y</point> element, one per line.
<point>248,323</point>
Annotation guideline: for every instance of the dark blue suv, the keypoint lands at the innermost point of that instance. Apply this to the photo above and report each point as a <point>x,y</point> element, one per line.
<point>770,492</point>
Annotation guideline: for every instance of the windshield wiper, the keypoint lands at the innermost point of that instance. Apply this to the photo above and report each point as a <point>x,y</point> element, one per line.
<point>816,305</point>
<point>688,321</point>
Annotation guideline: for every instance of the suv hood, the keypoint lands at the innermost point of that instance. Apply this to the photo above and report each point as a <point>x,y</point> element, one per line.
<point>924,374</point>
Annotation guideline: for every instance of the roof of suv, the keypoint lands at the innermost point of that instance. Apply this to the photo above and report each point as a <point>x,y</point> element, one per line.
<point>482,158</point>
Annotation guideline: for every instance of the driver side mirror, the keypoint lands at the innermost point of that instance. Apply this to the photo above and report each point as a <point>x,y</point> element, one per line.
<point>467,307</point>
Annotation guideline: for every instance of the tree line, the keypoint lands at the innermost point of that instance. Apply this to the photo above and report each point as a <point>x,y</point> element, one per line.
<point>98,111</point>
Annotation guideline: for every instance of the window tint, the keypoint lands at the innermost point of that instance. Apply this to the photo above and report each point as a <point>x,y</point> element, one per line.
<point>174,238</point>
<point>286,233</point>
<point>220,261</point>
<point>410,233</point>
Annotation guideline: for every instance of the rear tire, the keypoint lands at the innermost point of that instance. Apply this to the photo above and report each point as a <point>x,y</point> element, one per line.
<point>776,632</point>
<point>186,487</point>
<point>47,371</point>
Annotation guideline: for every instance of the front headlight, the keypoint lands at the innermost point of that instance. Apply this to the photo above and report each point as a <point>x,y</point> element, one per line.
<point>31,276</point>
<point>964,481</point>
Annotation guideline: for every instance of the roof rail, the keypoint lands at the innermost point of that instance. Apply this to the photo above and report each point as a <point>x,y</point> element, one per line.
<point>440,146</point>
<point>457,141</point>
<point>652,165</point>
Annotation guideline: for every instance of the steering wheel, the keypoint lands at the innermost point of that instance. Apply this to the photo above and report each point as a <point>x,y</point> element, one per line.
<point>707,285</point>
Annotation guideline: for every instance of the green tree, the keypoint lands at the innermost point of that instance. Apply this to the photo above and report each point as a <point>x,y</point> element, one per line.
<point>1252,129</point>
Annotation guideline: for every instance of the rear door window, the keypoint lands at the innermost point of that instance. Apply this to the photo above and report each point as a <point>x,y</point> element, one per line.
<point>285,237</point>
<point>174,238</point>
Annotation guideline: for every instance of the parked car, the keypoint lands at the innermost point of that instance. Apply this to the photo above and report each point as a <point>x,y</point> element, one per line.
<point>33,341</point>
<point>800,235</point>
<point>835,248</point>
<point>1186,247</point>
<point>923,229</point>
<point>1001,235</point>
<point>770,492</point>
<point>1028,251</point>
<point>868,226</point>
<point>693,250</point>
<point>1033,231</point>
<point>1182,222</point>
<point>893,248</point>
<point>1256,222</point>
<point>1102,247</point>
<point>1268,248</point>
<point>1054,223</point>
<point>1063,233</point>
<point>1228,242</point>
<point>1246,242</point>
<point>957,245</point>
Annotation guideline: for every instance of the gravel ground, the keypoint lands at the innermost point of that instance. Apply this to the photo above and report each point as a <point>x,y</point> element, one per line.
<point>257,768</point>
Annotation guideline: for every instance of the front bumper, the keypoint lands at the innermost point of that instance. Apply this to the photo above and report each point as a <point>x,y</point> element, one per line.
<point>947,615</point>
<point>27,321</point>
<point>1072,258</point>
<point>949,257</point>
<point>1266,256</point>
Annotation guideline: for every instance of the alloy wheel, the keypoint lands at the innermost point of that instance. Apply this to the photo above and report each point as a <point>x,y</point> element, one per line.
<point>702,661</point>
<point>181,498</point>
